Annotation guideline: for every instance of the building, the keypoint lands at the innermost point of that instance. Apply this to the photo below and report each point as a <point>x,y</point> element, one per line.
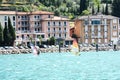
<point>57,27</point>
<point>100,29</point>
<point>30,25</point>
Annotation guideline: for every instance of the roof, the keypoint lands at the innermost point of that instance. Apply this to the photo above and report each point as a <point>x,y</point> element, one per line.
<point>15,12</point>
<point>56,18</point>
<point>98,17</point>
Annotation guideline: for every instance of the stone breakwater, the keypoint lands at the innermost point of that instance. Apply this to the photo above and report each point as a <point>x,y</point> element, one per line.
<point>52,50</point>
<point>26,51</point>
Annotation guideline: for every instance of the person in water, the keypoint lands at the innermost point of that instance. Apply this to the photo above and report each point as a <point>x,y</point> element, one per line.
<point>38,52</point>
<point>97,47</point>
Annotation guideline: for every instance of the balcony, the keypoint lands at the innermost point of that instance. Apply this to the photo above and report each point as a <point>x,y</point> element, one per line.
<point>37,26</point>
<point>18,32</point>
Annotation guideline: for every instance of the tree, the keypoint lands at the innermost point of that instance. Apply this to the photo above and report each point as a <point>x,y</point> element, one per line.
<point>40,39</point>
<point>93,11</point>
<point>1,34</point>
<point>106,9</point>
<point>52,41</point>
<point>103,12</point>
<point>98,8</point>
<point>7,37</point>
<point>11,32</point>
<point>83,5</point>
<point>85,12</point>
<point>106,1</point>
<point>116,8</point>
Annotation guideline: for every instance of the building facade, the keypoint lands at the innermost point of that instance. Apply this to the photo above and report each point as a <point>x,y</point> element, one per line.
<point>100,29</point>
<point>30,26</point>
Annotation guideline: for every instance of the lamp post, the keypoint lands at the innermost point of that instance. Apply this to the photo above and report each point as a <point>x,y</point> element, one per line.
<point>59,43</point>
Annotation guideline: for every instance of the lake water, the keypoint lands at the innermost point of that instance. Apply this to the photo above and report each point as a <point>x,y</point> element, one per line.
<point>61,66</point>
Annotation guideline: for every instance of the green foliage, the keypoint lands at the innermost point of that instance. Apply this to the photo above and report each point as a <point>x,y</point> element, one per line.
<point>106,1</point>
<point>85,12</point>
<point>83,5</point>
<point>70,8</point>
<point>40,39</point>
<point>93,11</point>
<point>7,37</point>
<point>0,0</point>
<point>52,41</point>
<point>103,12</point>
<point>11,32</point>
<point>116,8</point>
<point>106,9</point>
<point>1,34</point>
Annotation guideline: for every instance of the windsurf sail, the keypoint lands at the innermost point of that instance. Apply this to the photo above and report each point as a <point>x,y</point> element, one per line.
<point>34,50</point>
<point>75,48</point>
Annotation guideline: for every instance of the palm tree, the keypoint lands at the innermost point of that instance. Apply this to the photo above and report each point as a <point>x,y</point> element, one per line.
<point>40,39</point>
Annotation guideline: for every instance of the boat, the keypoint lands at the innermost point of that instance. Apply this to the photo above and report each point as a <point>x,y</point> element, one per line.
<point>75,48</point>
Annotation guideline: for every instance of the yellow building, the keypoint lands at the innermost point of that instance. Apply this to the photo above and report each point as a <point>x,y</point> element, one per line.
<point>100,29</point>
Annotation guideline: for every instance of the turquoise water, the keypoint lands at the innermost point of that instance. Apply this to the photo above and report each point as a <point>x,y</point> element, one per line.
<point>87,66</point>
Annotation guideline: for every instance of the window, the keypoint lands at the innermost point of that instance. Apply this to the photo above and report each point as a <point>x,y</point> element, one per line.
<point>59,35</point>
<point>65,29</point>
<point>53,23</point>
<point>42,36</point>
<point>54,29</point>
<point>38,17</point>
<point>13,18</point>
<point>65,35</point>
<point>105,40</point>
<point>114,27</point>
<point>99,40</point>
<point>19,23</point>
<point>35,23</point>
<point>19,28</point>
<point>17,36</point>
<point>86,40</point>
<point>5,18</point>
<point>48,29</point>
<point>48,16</point>
<point>23,28</point>
<point>85,22</point>
<point>59,23</point>
<point>48,23</point>
<point>22,23</point>
<point>114,33</point>
<point>38,23</point>
<point>22,36</point>
<point>48,35</point>
<point>13,23</point>
<point>65,23</point>
<point>59,29</point>
<point>35,17</point>
<point>95,22</point>
<point>35,29</point>
<point>114,20</point>
<point>18,16</point>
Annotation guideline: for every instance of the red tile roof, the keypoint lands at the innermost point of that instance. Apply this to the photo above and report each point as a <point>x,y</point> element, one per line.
<point>56,18</point>
<point>14,12</point>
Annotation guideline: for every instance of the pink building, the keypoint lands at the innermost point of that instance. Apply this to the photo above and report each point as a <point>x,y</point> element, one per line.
<point>30,25</point>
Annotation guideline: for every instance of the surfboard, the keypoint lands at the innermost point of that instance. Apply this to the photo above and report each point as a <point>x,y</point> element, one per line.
<point>75,48</point>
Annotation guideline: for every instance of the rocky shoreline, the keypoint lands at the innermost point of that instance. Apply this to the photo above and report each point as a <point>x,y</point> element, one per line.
<point>53,50</point>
